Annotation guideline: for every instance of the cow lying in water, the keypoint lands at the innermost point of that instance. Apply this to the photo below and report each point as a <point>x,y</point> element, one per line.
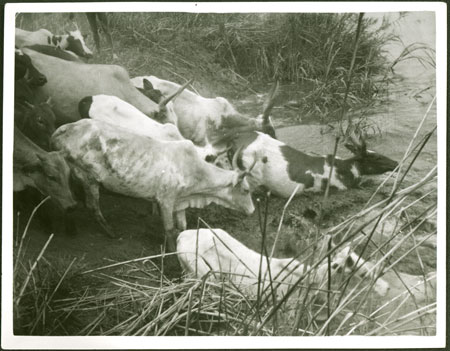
<point>281,168</point>
<point>172,173</point>
<point>69,82</point>
<point>48,172</point>
<point>72,41</point>
<point>217,252</point>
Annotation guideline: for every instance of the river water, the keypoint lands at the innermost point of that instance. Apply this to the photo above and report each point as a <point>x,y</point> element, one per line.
<point>409,97</point>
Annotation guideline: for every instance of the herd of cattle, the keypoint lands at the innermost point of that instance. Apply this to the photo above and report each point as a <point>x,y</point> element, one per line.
<point>149,138</point>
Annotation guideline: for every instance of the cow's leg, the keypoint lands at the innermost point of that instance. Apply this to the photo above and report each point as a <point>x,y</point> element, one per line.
<point>170,232</point>
<point>103,19</point>
<point>91,16</point>
<point>155,209</point>
<point>180,217</point>
<point>92,199</point>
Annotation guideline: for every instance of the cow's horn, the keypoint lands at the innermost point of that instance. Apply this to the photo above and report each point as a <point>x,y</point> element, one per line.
<point>270,103</point>
<point>165,101</point>
<point>235,158</point>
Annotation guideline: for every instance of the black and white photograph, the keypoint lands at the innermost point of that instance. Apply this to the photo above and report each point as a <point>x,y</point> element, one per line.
<point>230,170</point>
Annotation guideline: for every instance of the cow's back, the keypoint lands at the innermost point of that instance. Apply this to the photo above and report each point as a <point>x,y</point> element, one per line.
<point>24,37</point>
<point>69,82</point>
<point>125,162</point>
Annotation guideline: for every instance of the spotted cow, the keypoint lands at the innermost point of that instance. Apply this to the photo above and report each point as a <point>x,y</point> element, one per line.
<point>72,41</point>
<point>281,168</point>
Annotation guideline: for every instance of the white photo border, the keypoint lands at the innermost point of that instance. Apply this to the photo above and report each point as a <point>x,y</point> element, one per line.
<point>9,341</point>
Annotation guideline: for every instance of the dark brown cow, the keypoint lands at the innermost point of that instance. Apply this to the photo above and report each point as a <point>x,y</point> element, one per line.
<point>48,172</point>
<point>24,69</point>
<point>69,82</point>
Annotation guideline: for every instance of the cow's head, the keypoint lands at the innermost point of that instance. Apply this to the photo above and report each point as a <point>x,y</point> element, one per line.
<point>224,107</point>
<point>39,121</point>
<point>369,162</point>
<point>240,189</point>
<point>76,44</point>
<point>238,194</point>
<point>24,69</point>
<point>346,262</point>
<point>51,176</point>
<point>153,94</point>
<point>167,112</point>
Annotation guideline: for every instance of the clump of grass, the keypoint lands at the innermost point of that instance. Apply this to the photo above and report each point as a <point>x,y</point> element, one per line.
<point>37,283</point>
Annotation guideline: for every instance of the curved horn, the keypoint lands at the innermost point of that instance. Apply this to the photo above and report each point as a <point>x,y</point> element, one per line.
<point>234,164</point>
<point>270,103</point>
<point>165,101</point>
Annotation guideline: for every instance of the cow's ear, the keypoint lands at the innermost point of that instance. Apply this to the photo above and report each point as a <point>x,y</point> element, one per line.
<point>353,149</point>
<point>147,84</point>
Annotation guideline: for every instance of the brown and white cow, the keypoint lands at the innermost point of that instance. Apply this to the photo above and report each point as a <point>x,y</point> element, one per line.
<point>72,41</point>
<point>281,168</point>
<point>69,82</point>
<point>217,253</point>
<point>170,172</point>
<point>48,172</point>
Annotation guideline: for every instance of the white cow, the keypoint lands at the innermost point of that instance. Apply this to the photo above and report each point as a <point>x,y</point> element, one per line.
<point>113,110</point>
<point>128,163</point>
<point>204,120</point>
<point>215,251</point>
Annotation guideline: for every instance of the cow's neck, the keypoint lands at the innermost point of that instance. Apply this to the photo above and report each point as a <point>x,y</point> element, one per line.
<point>238,121</point>
<point>63,43</point>
<point>348,170</point>
<point>25,150</point>
<point>217,178</point>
